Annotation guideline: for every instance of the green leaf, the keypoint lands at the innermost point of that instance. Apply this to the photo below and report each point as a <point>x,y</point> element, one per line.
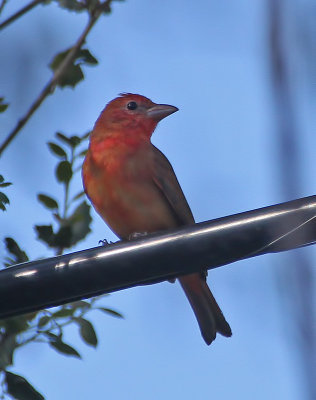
<point>87,332</point>
<point>85,57</point>
<point>43,321</point>
<point>105,7</point>
<point>7,347</point>
<point>15,325</point>
<point>71,231</point>
<point>3,183</point>
<point>98,298</point>
<point>14,249</point>
<point>83,153</point>
<point>72,5</point>
<point>75,140</point>
<point>47,201</point>
<point>72,141</point>
<point>81,304</point>
<point>110,311</point>
<point>9,261</point>
<point>3,201</point>
<point>30,316</point>
<point>92,4</point>
<point>73,74</point>
<point>3,106</point>
<point>63,237</point>
<point>19,388</point>
<point>64,138</point>
<point>80,222</point>
<point>85,136</point>
<point>4,198</point>
<point>64,348</point>
<point>58,59</point>
<point>45,233</point>
<point>52,337</point>
<point>74,228</point>
<point>78,195</point>
<point>57,150</point>
<point>64,171</point>
<point>63,312</point>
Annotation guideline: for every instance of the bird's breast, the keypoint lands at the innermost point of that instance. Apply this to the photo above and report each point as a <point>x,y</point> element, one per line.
<point>122,190</point>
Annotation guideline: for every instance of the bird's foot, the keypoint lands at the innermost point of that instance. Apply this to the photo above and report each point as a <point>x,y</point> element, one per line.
<point>137,235</point>
<point>204,274</point>
<point>105,242</point>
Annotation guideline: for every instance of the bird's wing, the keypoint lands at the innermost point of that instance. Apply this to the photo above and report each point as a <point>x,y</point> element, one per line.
<point>167,182</point>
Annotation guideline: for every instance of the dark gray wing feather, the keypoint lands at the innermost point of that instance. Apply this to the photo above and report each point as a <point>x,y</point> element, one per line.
<point>167,182</point>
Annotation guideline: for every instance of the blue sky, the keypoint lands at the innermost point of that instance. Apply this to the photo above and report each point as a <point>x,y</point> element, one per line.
<point>210,60</point>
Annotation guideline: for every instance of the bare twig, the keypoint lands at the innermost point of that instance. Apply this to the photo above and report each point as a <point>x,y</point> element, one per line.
<point>51,85</point>
<point>3,3</point>
<point>19,13</point>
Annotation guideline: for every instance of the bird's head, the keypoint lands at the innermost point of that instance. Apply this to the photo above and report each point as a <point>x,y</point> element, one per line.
<point>133,113</point>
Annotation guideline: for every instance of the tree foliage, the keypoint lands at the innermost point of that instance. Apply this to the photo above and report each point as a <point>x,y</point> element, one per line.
<point>69,217</point>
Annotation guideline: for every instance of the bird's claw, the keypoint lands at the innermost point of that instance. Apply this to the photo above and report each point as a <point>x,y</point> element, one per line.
<point>105,242</point>
<point>204,274</point>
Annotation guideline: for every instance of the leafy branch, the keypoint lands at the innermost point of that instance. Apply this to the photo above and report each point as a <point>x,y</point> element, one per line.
<point>3,197</point>
<point>72,227</point>
<point>46,326</point>
<point>70,216</point>
<point>95,9</point>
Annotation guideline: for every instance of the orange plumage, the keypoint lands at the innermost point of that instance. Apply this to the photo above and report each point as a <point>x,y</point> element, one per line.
<point>132,185</point>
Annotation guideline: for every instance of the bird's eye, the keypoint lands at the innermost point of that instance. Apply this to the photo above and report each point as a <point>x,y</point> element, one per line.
<point>132,105</point>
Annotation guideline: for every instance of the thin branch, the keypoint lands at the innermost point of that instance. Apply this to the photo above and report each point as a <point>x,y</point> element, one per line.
<point>19,13</point>
<point>3,3</point>
<point>53,82</point>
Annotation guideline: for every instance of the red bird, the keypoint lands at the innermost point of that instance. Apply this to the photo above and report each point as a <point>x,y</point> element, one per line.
<point>132,185</point>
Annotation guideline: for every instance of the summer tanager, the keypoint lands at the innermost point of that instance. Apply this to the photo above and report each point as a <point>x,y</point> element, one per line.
<point>132,185</point>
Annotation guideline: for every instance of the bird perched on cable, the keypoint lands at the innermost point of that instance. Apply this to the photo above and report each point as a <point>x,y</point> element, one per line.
<point>132,185</point>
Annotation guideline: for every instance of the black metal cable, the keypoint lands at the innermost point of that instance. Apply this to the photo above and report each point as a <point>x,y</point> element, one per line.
<point>53,281</point>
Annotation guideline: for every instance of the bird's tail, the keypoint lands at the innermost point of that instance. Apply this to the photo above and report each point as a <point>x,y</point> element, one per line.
<point>205,307</point>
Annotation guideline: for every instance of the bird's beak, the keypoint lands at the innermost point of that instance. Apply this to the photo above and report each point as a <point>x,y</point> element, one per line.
<point>160,111</point>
